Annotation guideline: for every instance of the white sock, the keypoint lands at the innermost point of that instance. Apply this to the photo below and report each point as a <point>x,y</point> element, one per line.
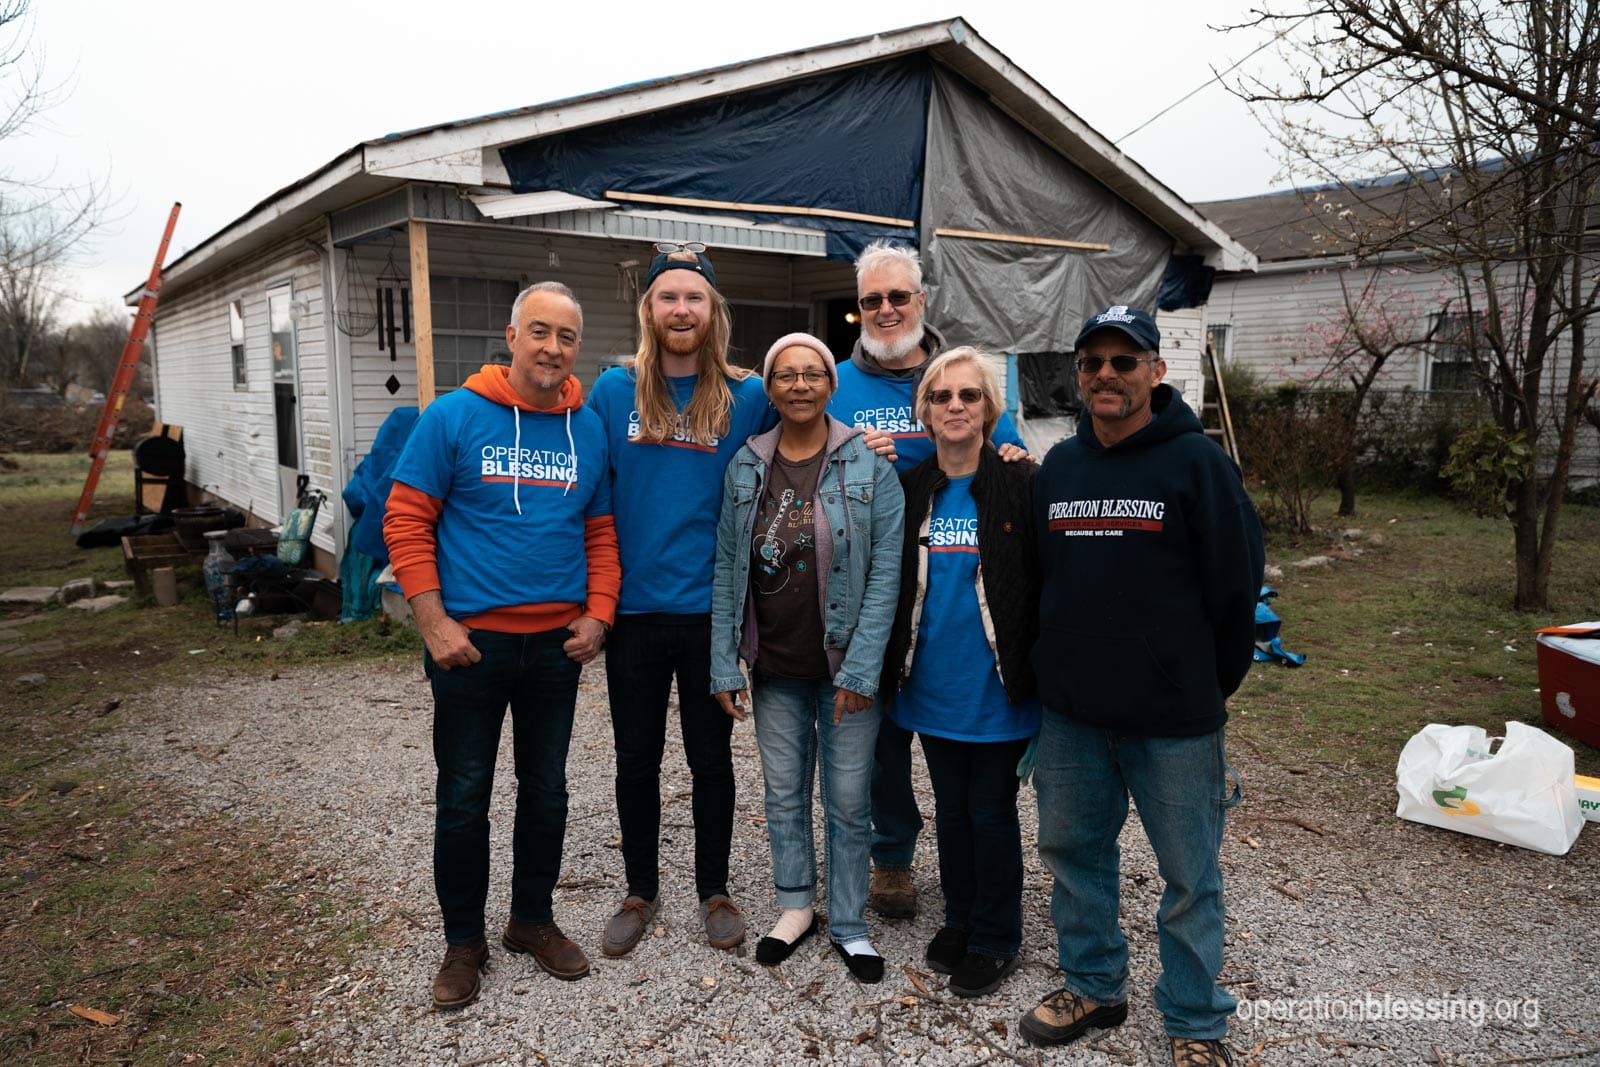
<point>791,924</point>
<point>859,947</point>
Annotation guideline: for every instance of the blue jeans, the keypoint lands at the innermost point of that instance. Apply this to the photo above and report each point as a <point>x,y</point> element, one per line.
<point>1182,787</point>
<point>794,718</point>
<point>896,820</point>
<point>980,841</point>
<point>533,675</point>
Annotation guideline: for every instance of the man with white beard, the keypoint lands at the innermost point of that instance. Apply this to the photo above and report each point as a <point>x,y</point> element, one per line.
<point>875,391</point>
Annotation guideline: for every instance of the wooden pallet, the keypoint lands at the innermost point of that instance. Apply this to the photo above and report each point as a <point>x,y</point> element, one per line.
<point>144,553</point>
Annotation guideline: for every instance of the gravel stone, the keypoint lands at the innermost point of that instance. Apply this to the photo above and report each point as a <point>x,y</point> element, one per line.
<point>1370,917</point>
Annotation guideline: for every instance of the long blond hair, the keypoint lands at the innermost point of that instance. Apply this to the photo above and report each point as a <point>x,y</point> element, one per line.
<point>709,412</point>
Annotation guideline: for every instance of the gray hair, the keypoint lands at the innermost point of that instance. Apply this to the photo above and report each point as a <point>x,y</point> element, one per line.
<point>883,254</point>
<point>546,287</point>
<point>988,381</point>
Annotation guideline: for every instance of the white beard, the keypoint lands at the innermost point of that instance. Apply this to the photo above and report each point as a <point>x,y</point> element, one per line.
<point>893,354</point>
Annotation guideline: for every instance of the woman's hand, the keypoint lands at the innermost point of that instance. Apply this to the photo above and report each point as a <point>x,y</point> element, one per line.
<point>846,701</point>
<point>734,703</point>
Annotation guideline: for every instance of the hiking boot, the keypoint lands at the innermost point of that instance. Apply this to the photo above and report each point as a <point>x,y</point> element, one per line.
<point>625,928</point>
<point>724,924</point>
<point>1194,1052</point>
<point>892,893</point>
<point>456,984</point>
<point>1063,1016</point>
<point>946,950</point>
<point>977,976</point>
<point>556,954</point>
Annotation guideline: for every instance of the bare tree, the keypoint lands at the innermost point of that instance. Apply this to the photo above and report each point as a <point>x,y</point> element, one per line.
<point>1486,115</point>
<point>44,221</point>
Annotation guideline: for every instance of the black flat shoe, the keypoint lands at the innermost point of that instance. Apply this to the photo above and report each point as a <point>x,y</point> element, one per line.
<point>772,951</point>
<point>863,968</point>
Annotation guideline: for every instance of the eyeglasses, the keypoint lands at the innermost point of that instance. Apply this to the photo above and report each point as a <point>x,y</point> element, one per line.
<point>941,397</point>
<point>897,298</point>
<point>788,377</point>
<point>666,248</point>
<point>1123,364</point>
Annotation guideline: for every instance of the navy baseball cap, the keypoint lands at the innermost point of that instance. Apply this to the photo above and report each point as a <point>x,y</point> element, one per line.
<point>699,264</point>
<point>1131,321</point>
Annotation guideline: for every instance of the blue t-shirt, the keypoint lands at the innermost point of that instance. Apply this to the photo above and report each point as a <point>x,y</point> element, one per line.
<point>667,496</point>
<point>954,688</point>
<point>879,402</point>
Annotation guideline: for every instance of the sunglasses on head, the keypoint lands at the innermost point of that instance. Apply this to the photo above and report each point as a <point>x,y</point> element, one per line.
<point>941,397</point>
<point>666,248</point>
<point>897,298</point>
<point>1123,364</point>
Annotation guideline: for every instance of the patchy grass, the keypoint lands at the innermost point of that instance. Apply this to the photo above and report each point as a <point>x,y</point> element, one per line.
<point>1410,624</point>
<point>196,932</point>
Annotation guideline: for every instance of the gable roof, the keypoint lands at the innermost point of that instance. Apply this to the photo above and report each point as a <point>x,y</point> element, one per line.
<point>466,152</point>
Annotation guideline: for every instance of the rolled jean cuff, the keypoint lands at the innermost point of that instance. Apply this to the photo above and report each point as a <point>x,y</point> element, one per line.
<point>797,898</point>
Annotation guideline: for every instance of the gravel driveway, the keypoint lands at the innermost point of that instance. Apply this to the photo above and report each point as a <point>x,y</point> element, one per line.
<point>1337,934</point>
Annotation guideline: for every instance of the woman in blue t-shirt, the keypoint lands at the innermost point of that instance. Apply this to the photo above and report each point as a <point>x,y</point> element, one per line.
<point>958,670</point>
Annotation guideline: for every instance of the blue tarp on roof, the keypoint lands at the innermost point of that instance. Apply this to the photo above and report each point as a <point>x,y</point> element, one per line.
<point>849,140</point>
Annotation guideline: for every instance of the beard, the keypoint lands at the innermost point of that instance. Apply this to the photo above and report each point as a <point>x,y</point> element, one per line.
<point>682,344</point>
<point>1127,401</point>
<point>893,353</point>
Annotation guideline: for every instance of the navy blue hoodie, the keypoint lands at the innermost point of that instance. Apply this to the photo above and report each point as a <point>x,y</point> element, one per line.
<point>1151,555</point>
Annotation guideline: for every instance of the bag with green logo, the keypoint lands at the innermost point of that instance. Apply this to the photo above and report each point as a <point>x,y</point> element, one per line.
<point>1521,793</point>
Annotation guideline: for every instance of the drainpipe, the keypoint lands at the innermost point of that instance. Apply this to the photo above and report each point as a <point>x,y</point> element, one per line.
<point>338,400</point>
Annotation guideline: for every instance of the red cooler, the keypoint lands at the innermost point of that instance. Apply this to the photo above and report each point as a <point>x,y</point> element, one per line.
<point>1569,680</point>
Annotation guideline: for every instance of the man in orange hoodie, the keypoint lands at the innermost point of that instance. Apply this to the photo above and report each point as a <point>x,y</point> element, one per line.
<point>499,527</point>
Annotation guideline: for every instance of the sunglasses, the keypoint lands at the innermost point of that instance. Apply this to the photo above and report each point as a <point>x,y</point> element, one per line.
<point>897,298</point>
<point>1123,364</point>
<point>666,248</point>
<point>942,397</point>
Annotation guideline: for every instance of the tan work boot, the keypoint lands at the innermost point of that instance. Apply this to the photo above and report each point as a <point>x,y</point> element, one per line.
<point>555,953</point>
<point>456,984</point>
<point>892,893</point>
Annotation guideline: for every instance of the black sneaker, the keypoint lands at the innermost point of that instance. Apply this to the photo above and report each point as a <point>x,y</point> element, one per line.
<point>977,976</point>
<point>946,949</point>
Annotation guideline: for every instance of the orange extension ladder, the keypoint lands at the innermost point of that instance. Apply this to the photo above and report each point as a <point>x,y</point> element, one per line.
<point>117,395</point>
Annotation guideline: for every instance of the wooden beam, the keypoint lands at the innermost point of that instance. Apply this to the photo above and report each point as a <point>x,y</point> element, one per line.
<point>422,308</point>
<point>1017,238</point>
<point>775,209</point>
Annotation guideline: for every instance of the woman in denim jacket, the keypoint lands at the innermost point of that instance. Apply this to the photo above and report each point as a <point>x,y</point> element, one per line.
<point>806,580</point>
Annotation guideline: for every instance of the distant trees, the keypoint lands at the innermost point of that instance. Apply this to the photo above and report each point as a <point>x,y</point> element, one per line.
<point>45,220</point>
<point>1489,111</point>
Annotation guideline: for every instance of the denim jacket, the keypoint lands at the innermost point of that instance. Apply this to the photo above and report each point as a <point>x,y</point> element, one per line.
<point>858,495</point>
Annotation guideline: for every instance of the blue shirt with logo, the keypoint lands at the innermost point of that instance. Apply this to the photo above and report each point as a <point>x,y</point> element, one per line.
<point>880,402</point>
<point>954,689</point>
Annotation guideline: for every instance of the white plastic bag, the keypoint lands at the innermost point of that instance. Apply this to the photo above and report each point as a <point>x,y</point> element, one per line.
<point>1522,793</point>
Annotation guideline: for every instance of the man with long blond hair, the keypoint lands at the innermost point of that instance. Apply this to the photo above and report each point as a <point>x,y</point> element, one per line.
<point>674,416</point>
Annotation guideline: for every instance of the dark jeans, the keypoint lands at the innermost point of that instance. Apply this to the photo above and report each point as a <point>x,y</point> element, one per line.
<point>980,840</point>
<point>533,675</point>
<point>896,821</point>
<point>643,655</point>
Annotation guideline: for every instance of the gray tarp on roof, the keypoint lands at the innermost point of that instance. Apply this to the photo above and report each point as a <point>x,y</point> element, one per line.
<point>986,172</point>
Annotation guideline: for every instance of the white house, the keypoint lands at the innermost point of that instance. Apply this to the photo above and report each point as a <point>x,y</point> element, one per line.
<point>384,277</point>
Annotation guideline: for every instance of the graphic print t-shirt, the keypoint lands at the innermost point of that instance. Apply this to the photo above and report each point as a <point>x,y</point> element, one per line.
<point>954,689</point>
<point>783,572</point>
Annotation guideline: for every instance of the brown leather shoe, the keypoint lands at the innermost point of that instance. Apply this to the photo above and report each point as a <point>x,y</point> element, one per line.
<point>892,893</point>
<point>1193,1052</point>
<point>456,984</point>
<point>555,953</point>
<point>724,924</point>
<point>625,928</point>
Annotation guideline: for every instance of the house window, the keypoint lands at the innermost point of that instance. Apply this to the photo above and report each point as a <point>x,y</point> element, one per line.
<point>757,325</point>
<point>1219,338</point>
<point>469,326</point>
<point>236,343</point>
<point>1451,368</point>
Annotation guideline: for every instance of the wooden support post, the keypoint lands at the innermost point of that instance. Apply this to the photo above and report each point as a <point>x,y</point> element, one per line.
<point>422,308</point>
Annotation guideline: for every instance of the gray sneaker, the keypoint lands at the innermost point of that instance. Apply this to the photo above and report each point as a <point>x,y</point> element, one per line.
<point>724,924</point>
<point>627,926</point>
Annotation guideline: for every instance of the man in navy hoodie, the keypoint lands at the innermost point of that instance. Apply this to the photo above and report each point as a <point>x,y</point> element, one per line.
<point>1151,556</point>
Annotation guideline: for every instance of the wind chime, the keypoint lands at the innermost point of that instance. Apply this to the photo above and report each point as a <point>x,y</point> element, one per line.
<point>391,281</point>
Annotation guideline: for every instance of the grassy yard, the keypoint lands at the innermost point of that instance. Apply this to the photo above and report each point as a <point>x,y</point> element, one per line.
<point>120,898</point>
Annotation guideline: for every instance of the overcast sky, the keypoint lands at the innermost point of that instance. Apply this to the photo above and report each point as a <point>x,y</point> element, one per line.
<point>220,104</point>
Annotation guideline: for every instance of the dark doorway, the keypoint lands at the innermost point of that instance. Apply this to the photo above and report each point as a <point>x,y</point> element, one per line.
<point>841,327</point>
